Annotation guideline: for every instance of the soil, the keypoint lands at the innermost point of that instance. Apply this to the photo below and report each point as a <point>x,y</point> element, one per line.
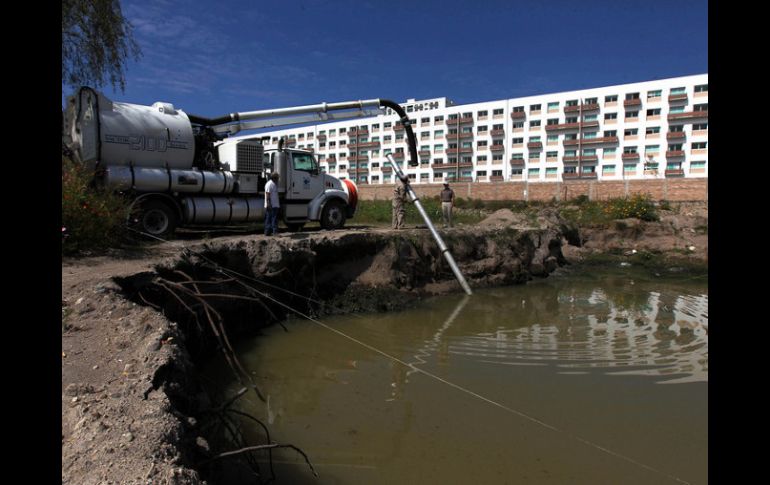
<point>125,365</point>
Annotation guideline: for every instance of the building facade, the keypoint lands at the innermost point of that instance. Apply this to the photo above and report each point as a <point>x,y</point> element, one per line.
<point>647,130</point>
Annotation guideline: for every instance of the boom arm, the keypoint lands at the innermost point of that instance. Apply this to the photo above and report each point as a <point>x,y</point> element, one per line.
<point>250,120</point>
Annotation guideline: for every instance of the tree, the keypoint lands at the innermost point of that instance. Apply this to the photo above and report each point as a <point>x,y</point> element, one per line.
<point>97,41</point>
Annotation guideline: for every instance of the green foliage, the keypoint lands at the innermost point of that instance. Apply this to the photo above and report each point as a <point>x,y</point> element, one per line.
<point>639,206</point>
<point>91,219</point>
<point>96,43</point>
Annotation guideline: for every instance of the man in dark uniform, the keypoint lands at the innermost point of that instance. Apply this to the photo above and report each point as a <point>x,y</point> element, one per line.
<point>447,202</point>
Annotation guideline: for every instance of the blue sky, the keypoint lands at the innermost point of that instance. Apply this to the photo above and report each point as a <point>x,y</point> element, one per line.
<point>214,57</point>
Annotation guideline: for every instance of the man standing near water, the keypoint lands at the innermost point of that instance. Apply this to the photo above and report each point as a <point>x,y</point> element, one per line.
<point>447,202</point>
<point>399,197</point>
<point>272,205</point>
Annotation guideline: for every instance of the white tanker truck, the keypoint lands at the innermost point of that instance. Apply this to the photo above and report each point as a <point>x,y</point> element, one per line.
<point>179,169</point>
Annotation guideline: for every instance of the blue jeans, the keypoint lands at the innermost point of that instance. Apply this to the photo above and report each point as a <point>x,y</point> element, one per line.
<point>271,220</point>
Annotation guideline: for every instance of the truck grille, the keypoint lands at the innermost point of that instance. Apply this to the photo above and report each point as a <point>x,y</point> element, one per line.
<point>249,156</point>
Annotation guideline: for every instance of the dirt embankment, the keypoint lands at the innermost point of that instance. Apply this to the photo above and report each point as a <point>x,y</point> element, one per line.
<point>130,401</point>
<point>131,405</point>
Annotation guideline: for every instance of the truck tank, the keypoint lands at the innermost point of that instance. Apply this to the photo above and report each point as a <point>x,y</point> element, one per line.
<point>123,134</point>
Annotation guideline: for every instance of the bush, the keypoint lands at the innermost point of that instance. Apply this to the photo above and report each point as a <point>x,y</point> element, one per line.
<point>639,206</point>
<point>91,219</point>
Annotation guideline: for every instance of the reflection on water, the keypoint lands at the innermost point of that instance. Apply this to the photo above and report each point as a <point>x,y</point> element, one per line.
<point>581,354</point>
<point>653,336</point>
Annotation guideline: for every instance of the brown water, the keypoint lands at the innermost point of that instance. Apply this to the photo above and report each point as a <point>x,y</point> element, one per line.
<point>584,377</point>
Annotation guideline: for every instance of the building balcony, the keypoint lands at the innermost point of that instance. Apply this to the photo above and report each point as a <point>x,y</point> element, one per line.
<point>690,115</point>
<point>360,158</point>
<point>517,161</point>
<point>398,155</point>
<point>570,175</point>
<point>359,132</point>
<point>628,103</point>
<point>424,153</point>
<point>592,141</point>
<point>630,156</point>
<point>386,169</point>
<point>572,126</point>
<point>589,175</point>
<point>518,115</point>
<point>321,137</point>
<point>455,151</point>
<point>459,136</point>
<point>581,107</point>
<point>290,142</point>
<point>496,178</point>
<point>675,154</point>
<point>365,145</point>
<point>675,135</point>
<point>584,158</point>
<point>535,145</point>
<point>673,98</point>
<point>674,173</point>
<point>459,121</point>
<point>497,132</point>
<point>465,179</point>
<point>358,170</point>
<point>497,147</point>
<point>398,127</point>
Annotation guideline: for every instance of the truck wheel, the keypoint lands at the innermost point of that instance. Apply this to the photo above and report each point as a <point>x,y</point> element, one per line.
<point>333,216</point>
<point>157,218</point>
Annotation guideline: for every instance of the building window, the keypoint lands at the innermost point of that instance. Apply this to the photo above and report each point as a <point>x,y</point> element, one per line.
<point>497,173</point>
<point>590,117</point>
<point>516,171</point>
<point>700,126</point>
<point>632,114</point>
<point>534,107</point>
<point>697,165</point>
<point>613,98</point>
<point>702,88</point>
<point>518,124</point>
<point>482,129</point>
<point>533,173</point>
<point>553,106</point>
<point>438,118</point>
<point>610,133</point>
<point>651,149</point>
<point>482,113</point>
<point>497,157</point>
<point>609,152</point>
<point>518,109</point>
<point>534,123</point>
<point>652,130</point>
<point>631,132</point>
<point>482,158</point>
<point>550,171</point>
<point>517,141</point>
<point>699,145</point>
<point>497,111</point>
<point>678,90</point>
<point>653,94</point>
<point>610,116</point>
<point>653,112</point>
<point>571,102</point>
<point>553,138</point>
<point>631,96</point>
<point>701,107</point>
<point>552,121</point>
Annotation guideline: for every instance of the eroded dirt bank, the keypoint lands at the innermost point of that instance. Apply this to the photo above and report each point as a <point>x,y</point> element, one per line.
<point>130,400</point>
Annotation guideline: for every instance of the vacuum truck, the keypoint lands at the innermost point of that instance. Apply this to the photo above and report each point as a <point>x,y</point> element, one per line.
<point>179,169</point>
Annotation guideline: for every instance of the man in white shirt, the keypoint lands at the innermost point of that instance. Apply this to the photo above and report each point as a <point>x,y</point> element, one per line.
<point>272,205</point>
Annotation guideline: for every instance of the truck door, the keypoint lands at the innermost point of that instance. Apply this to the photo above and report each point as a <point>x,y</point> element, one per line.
<point>306,181</point>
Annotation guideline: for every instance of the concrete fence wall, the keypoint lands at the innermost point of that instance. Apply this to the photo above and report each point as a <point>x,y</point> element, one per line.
<point>673,189</point>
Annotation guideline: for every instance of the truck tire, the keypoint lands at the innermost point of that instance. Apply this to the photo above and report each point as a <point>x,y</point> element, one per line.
<point>333,215</point>
<point>157,218</point>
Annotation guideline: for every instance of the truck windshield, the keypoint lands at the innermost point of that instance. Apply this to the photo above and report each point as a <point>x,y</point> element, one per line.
<point>305,162</point>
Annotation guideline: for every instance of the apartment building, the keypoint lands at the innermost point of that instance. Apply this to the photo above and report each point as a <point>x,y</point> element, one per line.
<point>646,130</point>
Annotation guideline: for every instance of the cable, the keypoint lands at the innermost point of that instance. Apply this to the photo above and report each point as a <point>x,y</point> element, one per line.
<point>439,379</point>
